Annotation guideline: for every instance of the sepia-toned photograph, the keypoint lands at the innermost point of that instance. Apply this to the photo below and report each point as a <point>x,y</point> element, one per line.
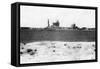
<point>56,34</point>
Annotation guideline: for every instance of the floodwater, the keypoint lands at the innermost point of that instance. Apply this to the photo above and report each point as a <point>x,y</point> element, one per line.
<point>55,51</point>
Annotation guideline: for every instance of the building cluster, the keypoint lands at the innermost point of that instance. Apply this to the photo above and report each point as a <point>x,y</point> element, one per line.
<point>56,26</point>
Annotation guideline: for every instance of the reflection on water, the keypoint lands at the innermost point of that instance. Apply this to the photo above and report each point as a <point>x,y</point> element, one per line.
<point>53,51</point>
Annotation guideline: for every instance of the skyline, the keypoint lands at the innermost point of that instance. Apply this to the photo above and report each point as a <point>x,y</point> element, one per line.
<point>36,16</point>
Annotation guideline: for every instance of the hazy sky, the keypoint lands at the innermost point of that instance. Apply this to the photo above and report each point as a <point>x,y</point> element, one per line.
<point>36,16</point>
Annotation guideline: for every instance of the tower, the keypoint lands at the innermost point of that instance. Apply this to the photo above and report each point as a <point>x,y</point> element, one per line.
<point>48,23</point>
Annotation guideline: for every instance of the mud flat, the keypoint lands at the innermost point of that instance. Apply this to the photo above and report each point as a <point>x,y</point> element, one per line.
<point>53,51</point>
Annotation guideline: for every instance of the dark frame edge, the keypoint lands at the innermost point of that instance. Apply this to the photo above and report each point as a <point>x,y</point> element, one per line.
<point>14,22</point>
<point>96,32</point>
<point>55,5</point>
<point>58,63</point>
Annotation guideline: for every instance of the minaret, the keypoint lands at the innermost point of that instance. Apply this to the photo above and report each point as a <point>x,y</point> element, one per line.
<point>48,23</point>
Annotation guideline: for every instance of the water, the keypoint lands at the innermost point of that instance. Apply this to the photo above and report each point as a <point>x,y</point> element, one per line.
<point>54,51</point>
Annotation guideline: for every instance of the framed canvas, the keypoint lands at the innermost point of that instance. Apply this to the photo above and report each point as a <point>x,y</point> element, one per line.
<point>45,34</point>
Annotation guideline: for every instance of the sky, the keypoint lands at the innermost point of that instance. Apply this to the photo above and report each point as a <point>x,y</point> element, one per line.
<point>37,16</point>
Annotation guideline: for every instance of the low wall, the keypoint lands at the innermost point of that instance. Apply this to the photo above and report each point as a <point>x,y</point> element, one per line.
<point>30,35</point>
